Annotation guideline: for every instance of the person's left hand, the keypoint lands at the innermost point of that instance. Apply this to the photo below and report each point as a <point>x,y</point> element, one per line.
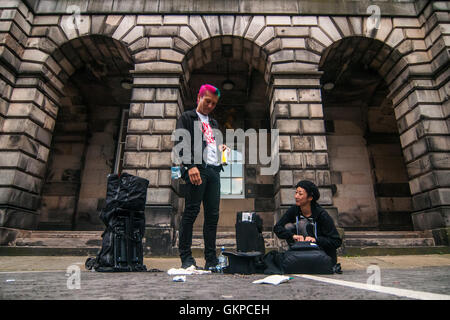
<point>311,239</point>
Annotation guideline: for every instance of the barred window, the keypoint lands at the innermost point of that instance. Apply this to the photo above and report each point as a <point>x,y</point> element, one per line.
<point>232,178</point>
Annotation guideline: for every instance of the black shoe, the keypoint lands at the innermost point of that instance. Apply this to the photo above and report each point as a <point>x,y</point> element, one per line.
<point>337,268</point>
<point>189,261</point>
<point>211,265</point>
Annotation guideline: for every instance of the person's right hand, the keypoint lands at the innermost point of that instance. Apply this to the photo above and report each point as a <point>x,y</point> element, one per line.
<point>298,238</point>
<point>194,176</point>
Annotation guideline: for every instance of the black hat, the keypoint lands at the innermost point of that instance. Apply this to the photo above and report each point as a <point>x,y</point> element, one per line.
<point>310,188</point>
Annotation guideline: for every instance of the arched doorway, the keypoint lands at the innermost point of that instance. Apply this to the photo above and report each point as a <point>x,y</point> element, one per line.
<point>89,132</point>
<point>366,160</point>
<point>237,67</point>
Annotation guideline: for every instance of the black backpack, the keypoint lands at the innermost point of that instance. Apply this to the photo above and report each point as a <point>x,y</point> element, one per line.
<point>124,218</point>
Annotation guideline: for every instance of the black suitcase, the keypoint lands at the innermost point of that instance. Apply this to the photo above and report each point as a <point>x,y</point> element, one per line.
<point>249,236</point>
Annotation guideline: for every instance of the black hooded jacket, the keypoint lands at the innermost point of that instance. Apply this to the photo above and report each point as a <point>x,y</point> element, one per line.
<point>327,236</point>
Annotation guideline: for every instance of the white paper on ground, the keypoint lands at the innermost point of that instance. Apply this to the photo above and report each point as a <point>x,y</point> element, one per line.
<point>180,271</point>
<point>274,279</point>
<point>188,271</point>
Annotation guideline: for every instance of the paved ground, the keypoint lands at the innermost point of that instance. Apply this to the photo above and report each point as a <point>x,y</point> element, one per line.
<point>46,278</point>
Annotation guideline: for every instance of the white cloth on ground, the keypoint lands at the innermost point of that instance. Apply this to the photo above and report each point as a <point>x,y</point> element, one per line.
<point>188,271</point>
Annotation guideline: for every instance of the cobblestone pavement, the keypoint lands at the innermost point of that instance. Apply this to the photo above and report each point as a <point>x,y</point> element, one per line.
<point>46,278</point>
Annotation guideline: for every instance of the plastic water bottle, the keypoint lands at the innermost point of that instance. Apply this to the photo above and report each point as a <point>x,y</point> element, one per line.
<point>222,261</point>
<point>176,172</point>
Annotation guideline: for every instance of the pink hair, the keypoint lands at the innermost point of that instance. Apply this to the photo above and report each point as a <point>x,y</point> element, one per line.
<point>210,88</point>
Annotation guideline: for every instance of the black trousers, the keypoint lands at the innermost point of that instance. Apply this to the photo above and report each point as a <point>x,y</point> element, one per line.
<point>208,193</point>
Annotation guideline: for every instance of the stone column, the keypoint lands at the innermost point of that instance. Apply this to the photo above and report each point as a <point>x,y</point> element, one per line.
<point>155,106</point>
<point>27,117</point>
<point>422,109</point>
<point>296,111</point>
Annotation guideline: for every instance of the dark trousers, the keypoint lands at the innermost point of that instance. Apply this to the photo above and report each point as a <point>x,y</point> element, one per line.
<point>209,193</point>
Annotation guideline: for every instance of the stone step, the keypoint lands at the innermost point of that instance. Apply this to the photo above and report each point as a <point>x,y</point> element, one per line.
<point>355,243</point>
<point>219,235</point>
<point>198,252</point>
<point>228,239</point>
<point>386,234</point>
<point>59,239</point>
<point>59,242</point>
<point>60,234</point>
<point>389,242</point>
<point>229,243</point>
<point>47,251</point>
<point>75,242</point>
<point>228,235</point>
<point>394,239</point>
<point>93,238</point>
<point>394,251</point>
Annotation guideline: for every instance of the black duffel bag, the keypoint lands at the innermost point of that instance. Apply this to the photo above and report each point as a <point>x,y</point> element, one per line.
<point>307,258</point>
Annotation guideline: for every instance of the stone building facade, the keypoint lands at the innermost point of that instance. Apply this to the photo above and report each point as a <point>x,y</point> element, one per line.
<point>357,89</point>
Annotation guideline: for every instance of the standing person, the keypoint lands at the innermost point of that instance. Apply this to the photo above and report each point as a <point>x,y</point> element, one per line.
<point>312,222</point>
<point>202,179</point>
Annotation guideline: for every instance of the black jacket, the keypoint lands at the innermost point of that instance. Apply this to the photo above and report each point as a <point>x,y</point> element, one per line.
<point>186,121</point>
<point>327,236</point>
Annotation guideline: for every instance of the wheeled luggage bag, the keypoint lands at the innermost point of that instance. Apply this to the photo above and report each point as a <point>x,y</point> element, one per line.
<point>124,218</point>
<point>122,248</point>
<point>128,248</point>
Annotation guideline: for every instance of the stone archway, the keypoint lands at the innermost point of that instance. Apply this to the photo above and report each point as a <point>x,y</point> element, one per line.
<point>366,162</point>
<point>85,146</point>
<point>410,71</point>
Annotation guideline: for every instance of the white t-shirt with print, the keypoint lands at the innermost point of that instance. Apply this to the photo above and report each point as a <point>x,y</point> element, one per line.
<point>208,133</point>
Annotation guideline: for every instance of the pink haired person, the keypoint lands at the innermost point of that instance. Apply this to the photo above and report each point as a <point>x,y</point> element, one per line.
<point>202,178</point>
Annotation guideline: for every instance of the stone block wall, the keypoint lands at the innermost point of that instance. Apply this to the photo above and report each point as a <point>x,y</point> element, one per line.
<point>279,40</point>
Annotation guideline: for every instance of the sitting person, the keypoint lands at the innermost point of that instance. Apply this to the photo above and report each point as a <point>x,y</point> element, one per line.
<point>312,222</point>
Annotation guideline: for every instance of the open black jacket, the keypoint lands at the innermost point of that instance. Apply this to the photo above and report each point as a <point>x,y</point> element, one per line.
<point>186,121</point>
<point>327,236</point>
